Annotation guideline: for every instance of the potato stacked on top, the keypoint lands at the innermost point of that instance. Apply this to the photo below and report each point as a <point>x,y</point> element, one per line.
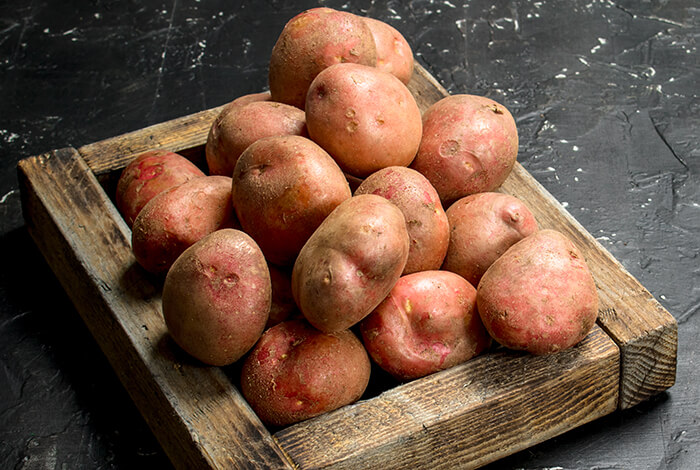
<point>272,260</point>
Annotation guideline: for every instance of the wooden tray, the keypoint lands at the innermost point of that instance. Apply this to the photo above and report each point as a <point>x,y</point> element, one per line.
<point>464,417</point>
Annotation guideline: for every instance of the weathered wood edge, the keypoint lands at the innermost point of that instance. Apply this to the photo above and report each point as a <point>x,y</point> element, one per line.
<point>198,416</point>
<point>467,416</point>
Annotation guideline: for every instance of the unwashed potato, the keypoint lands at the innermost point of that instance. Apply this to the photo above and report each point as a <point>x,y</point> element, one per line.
<point>216,297</point>
<point>364,117</point>
<point>177,218</point>
<point>310,42</point>
<point>482,227</point>
<point>148,175</point>
<point>350,263</point>
<point>426,220</point>
<point>296,372</point>
<point>539,296</point>
<point>427,323</point>
<point>283,188</point>
<point>236,128</point>
<point>394,54</point>
<point>469,145</point>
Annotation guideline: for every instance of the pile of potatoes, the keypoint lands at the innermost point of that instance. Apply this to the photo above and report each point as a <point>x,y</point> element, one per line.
<point>336,226</point>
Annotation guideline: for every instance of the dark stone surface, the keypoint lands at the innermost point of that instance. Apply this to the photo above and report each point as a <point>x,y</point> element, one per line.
<point>605,97</point>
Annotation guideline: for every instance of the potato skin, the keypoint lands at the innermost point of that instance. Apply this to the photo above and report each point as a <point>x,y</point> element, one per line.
<point>283,188</point>
<point>426,220</point>
<point>310,42</point>
<point>427,323</point>
<point>148,175</point>
<point>296,372</point>
<point>482,227</point>
<point>237,127</point>
<point>216,297</point>
<point>470,144</point>
<point>539,296</point>
<point>350,263</point>
<point>364,117</point>
<point>394,54</point>
<point>177,218</point>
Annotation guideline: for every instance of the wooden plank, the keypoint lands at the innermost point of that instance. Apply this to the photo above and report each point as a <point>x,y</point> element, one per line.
<point>466,416</point>
<point>198,416</point>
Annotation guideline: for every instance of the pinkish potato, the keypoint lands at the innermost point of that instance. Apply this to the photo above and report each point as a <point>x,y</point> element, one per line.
<point>177,218</point>
<point>350,263</point>
<point>364,117</point>
<point>426,220</point>
<point>310,42</point>
<point>427,323</point>
<point>296,372</point>
<point>238,126</point>
<point>283,307</point>
<point>283,188</point>
<point>216,297</point>
<point>250,98</point>
<point>394,54</point>
<point>539,296</point>
<point>482,227</point>
<point>148,175</point>
<point>470,144</point>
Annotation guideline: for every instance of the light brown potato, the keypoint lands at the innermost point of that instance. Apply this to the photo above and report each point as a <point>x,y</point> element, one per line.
<point>426,220</point>
<point>177,218</point>
<point>148,175</point>
<point>216,297</point>
<point>469,145</point>
<point>482,227</point>
<point>296,372</point>
<point>364,117</point>
<point>310,42</point>
<point>427,323</point>
<point>239,126</point>
<point>539,296</point>
<point>283,188</point>
<point>350,263</point>
<point>394,54</point>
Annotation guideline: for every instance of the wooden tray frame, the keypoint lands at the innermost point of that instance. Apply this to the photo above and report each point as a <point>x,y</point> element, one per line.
<point>464,417</point>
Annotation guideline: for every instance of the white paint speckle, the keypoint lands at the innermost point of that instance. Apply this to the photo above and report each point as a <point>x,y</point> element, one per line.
<point>4,198</point>
<point>560,76</point>
<point>575,148</point>
<point>583,61</point>
<point>565,204</point>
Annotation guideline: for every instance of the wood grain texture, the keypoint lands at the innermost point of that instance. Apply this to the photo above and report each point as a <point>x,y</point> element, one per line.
<point>198,416</point>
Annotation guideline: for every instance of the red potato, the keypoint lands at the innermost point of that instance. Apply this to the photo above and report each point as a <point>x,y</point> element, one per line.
<point>148,175</point>
<point>539,296</point>
<point>296,372</point>
<point>482,227</point>
<point>177,218</point>
<point>310,42</point>
<point>394,54</point>
<point>216,297</point>
<point>426,220</point>
<point>350,263</point>
<point>427,323</point>
<point>239,125</point>
<point>364,117</point>
<point>283,188</point>
<point>469,145</point>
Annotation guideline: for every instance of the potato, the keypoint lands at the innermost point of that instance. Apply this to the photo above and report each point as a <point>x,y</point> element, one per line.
<point>177,218</point>
<point>482,227</point>
<point>296,372</point>
<point>364,117</point>
<point>539,296</point>
<point>350,263</point>
<point>426,220</point>
<point>216,297</point>
<point>427,323</point>
<point>470,144</point>
<point>283,188</point>
<point>238,126</point>
<point>310,42</point>
<point>394,54</point>
<point>148,175</point>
